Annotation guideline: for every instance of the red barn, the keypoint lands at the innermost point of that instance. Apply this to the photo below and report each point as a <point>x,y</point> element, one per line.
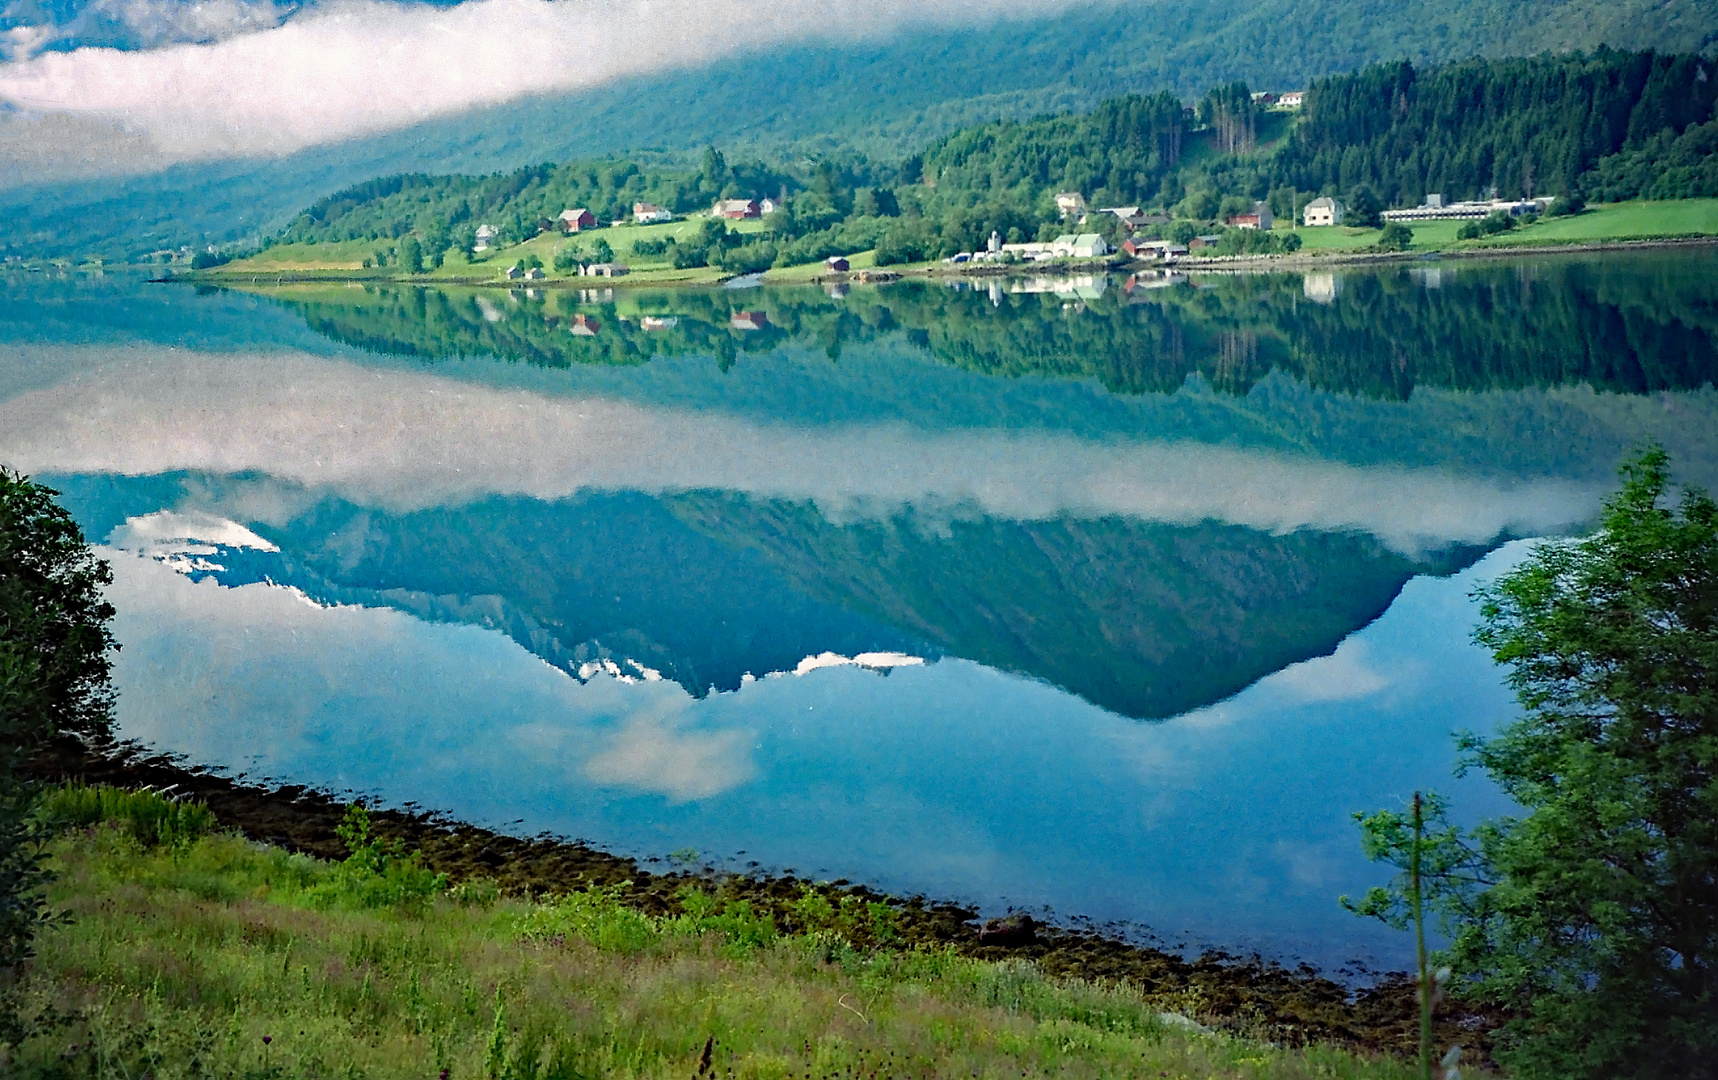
<point>574,220</point>
<point>736,209</point>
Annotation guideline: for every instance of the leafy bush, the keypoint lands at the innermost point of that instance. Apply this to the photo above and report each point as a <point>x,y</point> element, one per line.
<point>1497,221</point>
<point>648,248</point>
<point>739,926</point>
<point>601,917</point>
<point>1257,242</point>
<point>597,916</point>
<point>149,816</point>
<point>480,892</point>
<point>54,679</point>
<point>747,258</point>
<point>377,873</point>
<point>1395,237</point>
<point>1593,916</point>
<point>852,918</point>
<point>204,260</point>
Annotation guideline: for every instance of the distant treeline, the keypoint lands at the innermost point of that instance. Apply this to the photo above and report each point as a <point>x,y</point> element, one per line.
<point>1607,125</point>
<point>1621,327</point>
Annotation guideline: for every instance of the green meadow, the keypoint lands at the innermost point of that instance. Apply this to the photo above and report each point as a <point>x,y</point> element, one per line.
<point>1599,223</point>
<point>210,955</point>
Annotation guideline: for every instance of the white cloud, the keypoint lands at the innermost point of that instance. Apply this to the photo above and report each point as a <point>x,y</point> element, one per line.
<point>361,67</point>
<point>160,22</point>
<point>1342,676</point>
<point>411,439</point>
<point>665,755</point>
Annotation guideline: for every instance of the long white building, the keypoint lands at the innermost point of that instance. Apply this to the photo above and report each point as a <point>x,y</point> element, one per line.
<point>1435,209</point>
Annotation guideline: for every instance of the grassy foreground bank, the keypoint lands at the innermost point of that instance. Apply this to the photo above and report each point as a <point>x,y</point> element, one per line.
<point>219,956</point>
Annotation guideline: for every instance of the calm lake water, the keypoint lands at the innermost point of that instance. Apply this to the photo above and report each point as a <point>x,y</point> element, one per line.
<point>1113,597</point>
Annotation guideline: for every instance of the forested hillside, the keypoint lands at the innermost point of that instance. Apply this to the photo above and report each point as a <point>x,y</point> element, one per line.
<point>884,99</point>
<point>1539,125</point>
<point>1608,125</point>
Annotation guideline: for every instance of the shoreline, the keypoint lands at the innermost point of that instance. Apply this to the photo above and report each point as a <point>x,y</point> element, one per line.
<point>1297,1005</point>
<point>883,275</point>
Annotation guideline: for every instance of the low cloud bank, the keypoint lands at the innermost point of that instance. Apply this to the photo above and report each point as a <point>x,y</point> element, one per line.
<point>361,67</point>
<point>407,440</point>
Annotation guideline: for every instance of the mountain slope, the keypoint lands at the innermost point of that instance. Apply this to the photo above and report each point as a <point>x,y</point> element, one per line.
<point>884,99</point>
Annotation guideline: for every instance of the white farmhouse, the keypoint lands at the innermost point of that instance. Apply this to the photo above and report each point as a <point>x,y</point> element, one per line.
<point>1082,246</point>
<point>1323,211</point>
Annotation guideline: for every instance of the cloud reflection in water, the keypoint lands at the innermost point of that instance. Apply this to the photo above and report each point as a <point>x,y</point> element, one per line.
<point>407,440</point>
<point>950,778</point>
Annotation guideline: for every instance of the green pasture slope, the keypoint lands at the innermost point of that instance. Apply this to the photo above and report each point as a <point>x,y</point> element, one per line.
<point>1637,220</point>
<point>1598,224</point>
<point>221,957</point>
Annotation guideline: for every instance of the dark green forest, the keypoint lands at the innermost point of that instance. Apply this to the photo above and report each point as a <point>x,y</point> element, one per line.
<point>1608,125</point>
<point>1543,125</point>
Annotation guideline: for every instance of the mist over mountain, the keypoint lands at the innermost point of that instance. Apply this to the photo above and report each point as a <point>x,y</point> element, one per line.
<point>884,97</point>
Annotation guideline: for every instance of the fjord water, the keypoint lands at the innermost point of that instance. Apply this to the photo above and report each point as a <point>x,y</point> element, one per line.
<point>1151,582</point>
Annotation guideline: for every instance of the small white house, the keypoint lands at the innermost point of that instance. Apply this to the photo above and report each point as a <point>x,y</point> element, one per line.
<point>767,205</point>
<point>1082,246</point>
<point>1070,203</point>
<point>485,233</point>
<point>650,214</point>
<point>1323,211</point>
<point>1292,99</point>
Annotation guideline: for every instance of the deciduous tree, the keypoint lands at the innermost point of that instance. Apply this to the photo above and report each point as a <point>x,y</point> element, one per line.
<point>1595,913</point>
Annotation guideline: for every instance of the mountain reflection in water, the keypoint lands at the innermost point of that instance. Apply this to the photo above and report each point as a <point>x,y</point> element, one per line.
<point>431,544</point>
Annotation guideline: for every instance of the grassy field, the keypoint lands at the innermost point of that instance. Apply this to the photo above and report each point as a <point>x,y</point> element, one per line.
<point>215,956</point>
<point>1600,222</point>
<point>347,256</point>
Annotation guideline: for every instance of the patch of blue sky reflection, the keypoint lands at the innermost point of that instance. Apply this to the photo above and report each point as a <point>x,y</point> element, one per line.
<point>1230,825</point>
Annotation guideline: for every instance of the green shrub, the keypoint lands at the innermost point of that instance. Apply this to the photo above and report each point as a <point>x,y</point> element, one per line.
<point>597,916</point>
<point>852,918</point>
<point>376,873</point>
<point>748,258</point>
<point>1493,223</point>
<point>739,926</point>
<point>476,892</point>
<point>149,816</point>
<point>601,917</point>
<point>690,256</point>
<point>1395,237</point>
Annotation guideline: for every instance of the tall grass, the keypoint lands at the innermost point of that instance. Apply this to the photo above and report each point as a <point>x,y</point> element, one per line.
<point>221,957</point>
<point>151,817</point>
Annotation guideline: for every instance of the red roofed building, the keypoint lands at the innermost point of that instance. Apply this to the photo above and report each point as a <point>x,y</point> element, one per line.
<point>574,220</point>
<point>736,209</point>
